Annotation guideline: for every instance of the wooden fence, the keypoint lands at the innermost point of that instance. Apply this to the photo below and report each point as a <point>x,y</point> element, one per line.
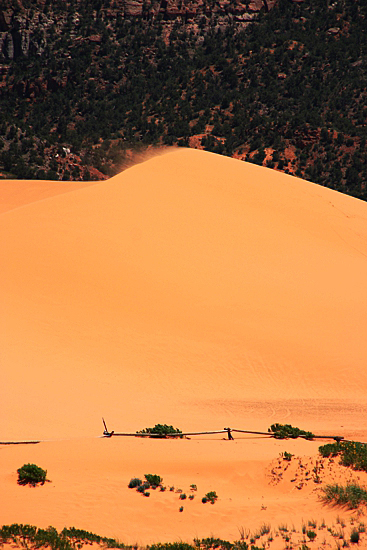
<point>227,431</point>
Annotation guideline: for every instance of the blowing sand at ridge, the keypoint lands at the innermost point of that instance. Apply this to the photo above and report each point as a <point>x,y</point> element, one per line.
<point>191,289</point>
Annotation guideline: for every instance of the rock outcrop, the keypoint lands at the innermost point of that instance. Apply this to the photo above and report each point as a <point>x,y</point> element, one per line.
<point>22,31</point>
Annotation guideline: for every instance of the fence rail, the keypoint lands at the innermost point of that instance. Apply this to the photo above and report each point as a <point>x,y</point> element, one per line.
<point>19,442</point>
<point>227,431</point>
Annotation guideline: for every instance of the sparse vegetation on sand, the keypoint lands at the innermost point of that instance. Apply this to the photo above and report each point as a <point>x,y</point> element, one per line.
<point>210,497</point>
<point>67,539</point>
<point>134,483</point>
<point>350,495</point>
<point>161,431</point>
<point>286,431</point>
<point>31,474</point>
<point>154,480</point>
<point>151,481</point>
<point>352,453</point>
<point>28,536</point>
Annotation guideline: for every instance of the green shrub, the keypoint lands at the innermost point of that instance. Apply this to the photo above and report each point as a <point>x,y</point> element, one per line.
<point>161,431</point>
<point>183,496</point>
<point>31,474</point>
<point>210,497</point>
<point>153,479</point>
<point>330,449</point>
<point>287,456</point>
<point>352,453</point>
<point>134,482</point>
<point>143,487</point>
<point>354,536</point>
<point>286,431</point>
<point>311,534</point>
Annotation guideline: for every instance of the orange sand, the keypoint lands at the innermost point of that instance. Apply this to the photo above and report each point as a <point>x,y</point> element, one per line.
<point>194,290</point>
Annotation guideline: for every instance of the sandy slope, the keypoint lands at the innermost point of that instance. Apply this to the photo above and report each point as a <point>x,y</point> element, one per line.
<point>192,289</point>
<point>16,193</point>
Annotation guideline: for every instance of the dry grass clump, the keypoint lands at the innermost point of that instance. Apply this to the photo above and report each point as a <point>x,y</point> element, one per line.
<point>351,495</point>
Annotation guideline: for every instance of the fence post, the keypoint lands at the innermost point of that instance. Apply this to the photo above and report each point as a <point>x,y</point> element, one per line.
<point>229,433</point>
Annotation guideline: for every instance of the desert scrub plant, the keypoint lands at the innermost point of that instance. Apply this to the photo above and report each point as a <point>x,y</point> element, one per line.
<point>354,536</point>
<point>31,474</point>
<point>143,487</point>
<point>210,497</point>
<point>161,431</point>
<point>67,539</point>
<point>352,453</point>
<point>264,529</point>
<point>287,456</point>
<point>351,495</point>
<point>286,431</point>
<point>153,479</point>
<point>182,496</point>
<point>330,449</point>
<point>311,534</point>
<point>134,482</point>
<point>212,542</point>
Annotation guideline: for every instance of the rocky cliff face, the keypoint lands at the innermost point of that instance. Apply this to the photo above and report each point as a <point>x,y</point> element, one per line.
<point>24,29</point>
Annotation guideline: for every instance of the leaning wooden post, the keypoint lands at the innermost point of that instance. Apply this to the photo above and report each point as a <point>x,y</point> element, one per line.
<point>106,432</point>
<point>229,433</point>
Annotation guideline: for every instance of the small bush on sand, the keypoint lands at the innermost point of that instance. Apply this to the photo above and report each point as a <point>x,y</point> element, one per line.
<point>153,479</point>
<point>134,482</point>
<point>286,431</point>
<point>31,474</point>
<point>354,536</point>
<point>161,431</point>
<point>210,497</point>
<point>352,495</point>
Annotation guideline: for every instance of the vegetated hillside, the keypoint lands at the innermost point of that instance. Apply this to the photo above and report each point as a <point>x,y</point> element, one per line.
<point>285,87</point>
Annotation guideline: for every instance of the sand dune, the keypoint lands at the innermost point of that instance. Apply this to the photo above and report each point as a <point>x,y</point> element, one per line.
<point>192,289</point>
<point>16,193</point>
